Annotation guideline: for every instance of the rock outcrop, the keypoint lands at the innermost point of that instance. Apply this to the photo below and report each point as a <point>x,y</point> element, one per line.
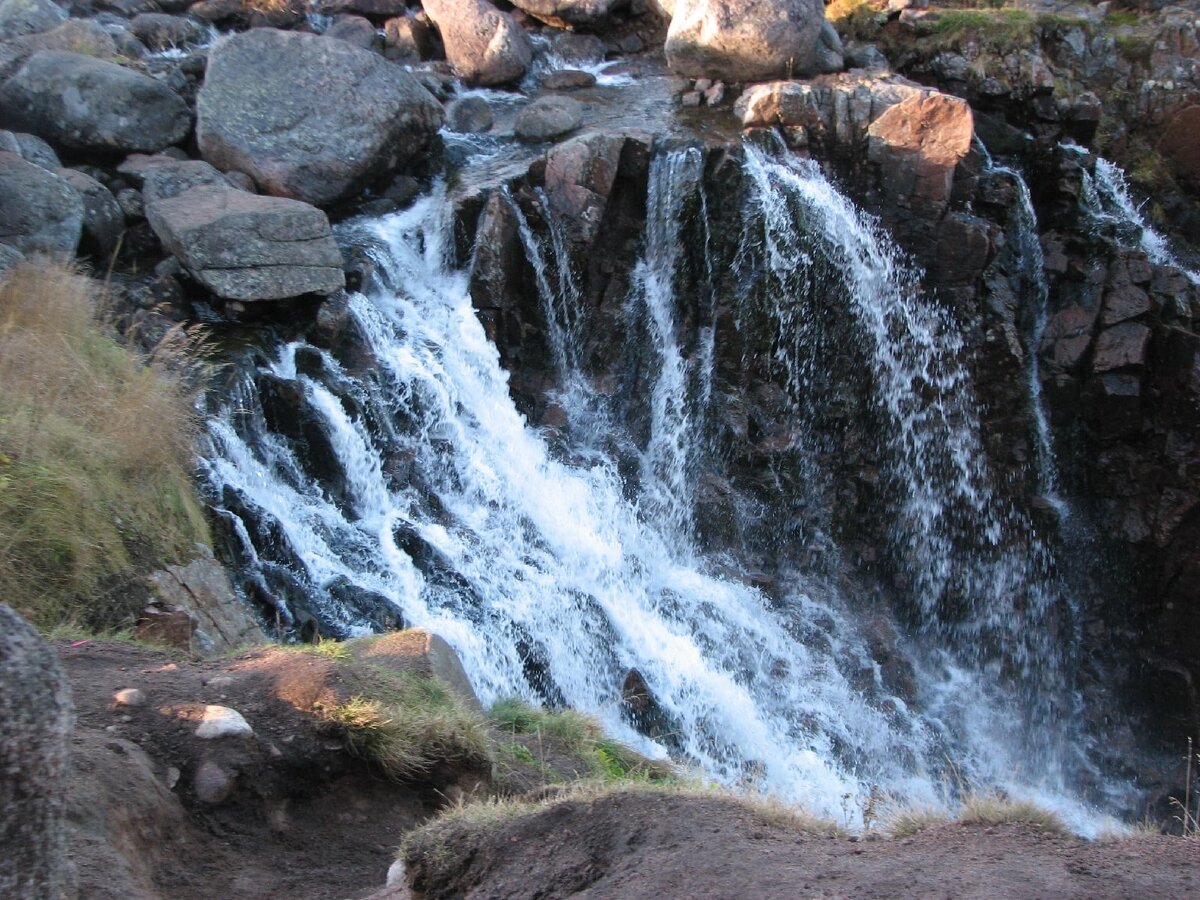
<point>80,103</point>
<point>35,733</point>
<point>751,40</point>
<point>241,246</point>
<point>310,118</point>
<point>484,45</point>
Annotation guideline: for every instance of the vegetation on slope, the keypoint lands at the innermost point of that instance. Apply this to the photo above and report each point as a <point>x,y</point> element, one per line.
<point>95,456</point>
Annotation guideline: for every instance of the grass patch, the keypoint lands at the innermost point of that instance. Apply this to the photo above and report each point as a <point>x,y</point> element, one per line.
<point>856,20</point>
<point>902,823</point>
<point>1135,48</point>
<point>407,724</point>
<point>995,809</point>
<point>95,457</point>
<point>579,735</point>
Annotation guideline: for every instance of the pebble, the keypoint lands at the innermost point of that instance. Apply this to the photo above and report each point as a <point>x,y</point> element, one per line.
<point>129,697</point>
<point>221,721</point>
<point>395,873</point>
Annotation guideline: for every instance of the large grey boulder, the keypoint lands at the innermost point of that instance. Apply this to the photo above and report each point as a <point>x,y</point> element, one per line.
<point>484,45</point>
<point>36,720</point>
<point>82,103</point>
<point>310,118</point>
<point>569,13</point>
<point>241,246</point>
<point>18,17</point>
<point>751,40</point>
<point>39,212</point>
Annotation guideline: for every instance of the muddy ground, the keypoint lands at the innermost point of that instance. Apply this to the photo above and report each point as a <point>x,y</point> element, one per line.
<point>303,819</point>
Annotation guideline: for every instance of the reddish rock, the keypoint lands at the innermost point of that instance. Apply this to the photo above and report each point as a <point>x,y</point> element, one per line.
<point>484,45</point>
<point>1179,141</point>
<point>579,177</point>
<point>918,143</point>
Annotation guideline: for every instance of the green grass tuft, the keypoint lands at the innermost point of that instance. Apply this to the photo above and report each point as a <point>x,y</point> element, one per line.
<point>579,735</point>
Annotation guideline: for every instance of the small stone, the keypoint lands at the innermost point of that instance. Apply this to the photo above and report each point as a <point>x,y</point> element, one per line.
<point>395,873</point>
<point>469,115</point>
<point>568,80</point>
<point>212,784</point>
<point>172,779</point>
<point>715,94</point>
<point>129,697</point>
<point>221,721</point>
<point>702,84</point>
<point>690,99</point>
<point>219,682</point>
<point>549,117</point>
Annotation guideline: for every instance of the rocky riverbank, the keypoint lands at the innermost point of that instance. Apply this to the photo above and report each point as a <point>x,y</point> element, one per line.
<point>214,160</point>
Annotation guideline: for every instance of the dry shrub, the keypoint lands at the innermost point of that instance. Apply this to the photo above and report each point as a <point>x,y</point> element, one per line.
<point>95,456</point>
<point>997,809</point>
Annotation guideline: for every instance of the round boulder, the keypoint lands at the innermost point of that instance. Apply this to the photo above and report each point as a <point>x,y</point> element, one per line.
<point>310,118</point>
<point>751,40</point>
<point>469,115</point>
<point>18,17</point>
<point>82,103</point>
<point>569,13</point>
<point>39,212</point>
<point>549,117</point>
<point>483,44</point>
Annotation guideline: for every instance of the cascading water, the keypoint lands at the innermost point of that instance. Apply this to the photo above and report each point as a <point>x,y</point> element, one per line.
<point>434,498</point>
<point>1106,198</point>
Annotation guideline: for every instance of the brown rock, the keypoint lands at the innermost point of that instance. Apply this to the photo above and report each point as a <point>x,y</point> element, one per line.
<point>579,176</point>
<point>751,40</point>
<point>918,143</point>
<point>1179,141</point>
<point>484,45</point>
<point>568,80</point>
<point>1121,346</point>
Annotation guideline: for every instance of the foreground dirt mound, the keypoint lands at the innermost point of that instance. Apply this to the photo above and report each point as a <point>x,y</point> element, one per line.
<point>281,810</point>
<point>642,843</point>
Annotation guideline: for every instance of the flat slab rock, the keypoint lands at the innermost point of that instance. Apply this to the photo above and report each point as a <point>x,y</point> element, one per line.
<point>241,246</point>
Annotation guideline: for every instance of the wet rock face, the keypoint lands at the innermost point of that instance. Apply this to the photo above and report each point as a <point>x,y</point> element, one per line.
<point>309,118</point>
<point>751,40</point>
<point>81,103</point>
<point>35,730</point>
<point>484,45</point>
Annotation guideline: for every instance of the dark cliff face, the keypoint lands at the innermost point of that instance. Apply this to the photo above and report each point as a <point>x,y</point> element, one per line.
<point>1116,353</point>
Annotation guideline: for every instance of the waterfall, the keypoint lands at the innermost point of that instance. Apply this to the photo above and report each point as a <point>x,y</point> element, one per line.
<point>432,501</point>
<point>1033,274</point>
<point>1106,197</point>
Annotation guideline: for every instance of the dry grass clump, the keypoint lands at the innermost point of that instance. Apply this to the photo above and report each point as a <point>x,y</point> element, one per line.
<point>432,839</point>
<point>906,822</point>
<point>996,809</point>
<point>407,724</point>
<point>95,456</point>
